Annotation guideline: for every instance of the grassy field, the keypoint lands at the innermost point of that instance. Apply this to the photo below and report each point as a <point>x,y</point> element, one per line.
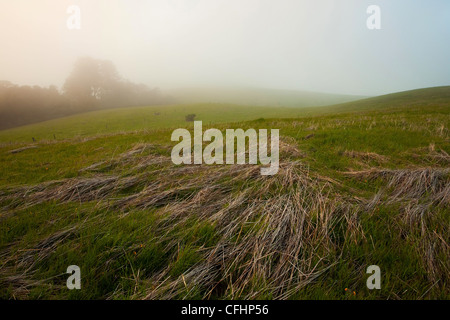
<point>164,117</point>
<point>362,183</point>
<point>138,119</point>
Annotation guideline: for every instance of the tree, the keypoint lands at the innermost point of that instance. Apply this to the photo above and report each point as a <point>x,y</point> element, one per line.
<point>25,104</point>
<point>92,84</point>
<point>97,83</point>
<point>91,81</point>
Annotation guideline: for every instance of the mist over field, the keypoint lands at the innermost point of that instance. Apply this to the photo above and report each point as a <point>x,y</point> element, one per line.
<point>66,57</point>
<point>114,119</point>
<point>321,46</point>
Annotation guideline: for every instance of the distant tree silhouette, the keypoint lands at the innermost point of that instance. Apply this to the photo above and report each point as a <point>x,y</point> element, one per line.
<point>96,83</point>
<point>90,81</point>
<point>21,105</point>
<point>92,84</point>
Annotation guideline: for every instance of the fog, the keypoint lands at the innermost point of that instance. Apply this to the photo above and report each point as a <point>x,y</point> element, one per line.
<point>320,45</point>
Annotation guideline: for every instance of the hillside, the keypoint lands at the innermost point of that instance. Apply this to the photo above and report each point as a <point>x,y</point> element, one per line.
<point>151,117</point>
<point>435,96</point>
<point>438,96</point>
<point>363,183</point>
<point>23,105</point>
<point>139,118</point>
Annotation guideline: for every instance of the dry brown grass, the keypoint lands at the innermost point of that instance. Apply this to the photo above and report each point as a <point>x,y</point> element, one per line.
<point>19,279</point>
<point>430,183</point>
<point>277,234</point>
<point>419,192</point>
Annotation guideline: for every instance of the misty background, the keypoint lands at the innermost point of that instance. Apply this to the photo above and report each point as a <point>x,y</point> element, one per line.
<point>170,45</point>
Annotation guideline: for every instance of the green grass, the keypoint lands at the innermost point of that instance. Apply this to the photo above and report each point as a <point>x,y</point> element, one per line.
<point>122,250</point>
<point>158,117</point>
<point>113,121</point>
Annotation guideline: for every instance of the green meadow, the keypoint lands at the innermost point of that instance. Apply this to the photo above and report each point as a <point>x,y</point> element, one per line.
<point>361,183</point>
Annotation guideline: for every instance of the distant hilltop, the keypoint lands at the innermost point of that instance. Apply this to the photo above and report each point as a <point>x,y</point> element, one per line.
<point>259,96</point>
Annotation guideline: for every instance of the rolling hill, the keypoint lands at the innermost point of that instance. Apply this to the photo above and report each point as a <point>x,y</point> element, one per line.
<point>158,117</point>
<point>259,97</point>
<point>362,183</point>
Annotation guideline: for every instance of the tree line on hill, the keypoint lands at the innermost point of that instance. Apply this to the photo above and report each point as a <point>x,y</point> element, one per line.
<point>93,85</point>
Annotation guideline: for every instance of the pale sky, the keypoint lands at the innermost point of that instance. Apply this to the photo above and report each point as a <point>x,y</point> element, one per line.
<point>316,45</point>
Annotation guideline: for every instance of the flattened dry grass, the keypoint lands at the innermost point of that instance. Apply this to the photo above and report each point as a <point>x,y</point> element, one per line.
<point>272,237</point>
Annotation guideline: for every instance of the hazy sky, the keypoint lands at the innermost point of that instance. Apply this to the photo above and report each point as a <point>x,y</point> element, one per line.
<point>318,45</point>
